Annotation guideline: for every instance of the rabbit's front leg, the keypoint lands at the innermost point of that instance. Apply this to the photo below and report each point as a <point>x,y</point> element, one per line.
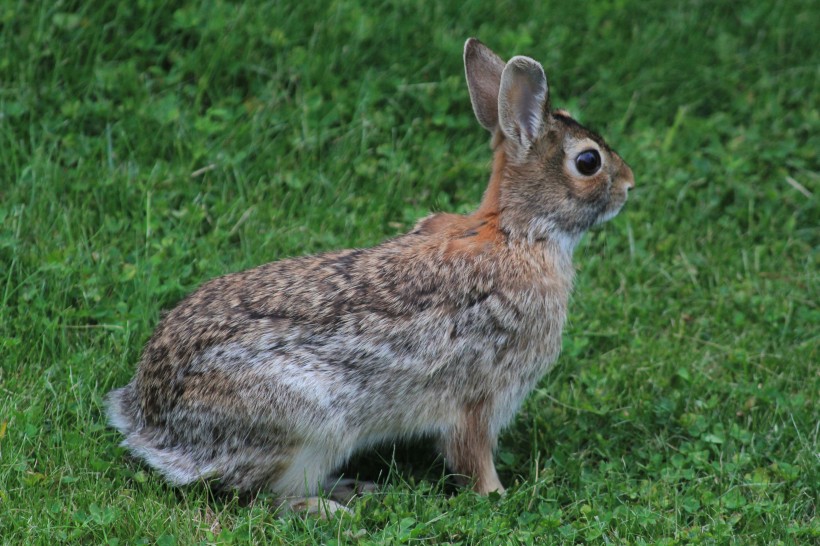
<point>468,448</point>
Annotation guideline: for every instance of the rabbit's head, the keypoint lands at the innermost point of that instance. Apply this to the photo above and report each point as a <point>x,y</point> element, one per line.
<point>553,178</point>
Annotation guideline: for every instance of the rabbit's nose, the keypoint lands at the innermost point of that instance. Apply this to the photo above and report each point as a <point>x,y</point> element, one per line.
<point>628,178</point>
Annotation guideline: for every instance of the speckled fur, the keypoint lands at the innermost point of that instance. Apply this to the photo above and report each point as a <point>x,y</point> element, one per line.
<point>273,377</point>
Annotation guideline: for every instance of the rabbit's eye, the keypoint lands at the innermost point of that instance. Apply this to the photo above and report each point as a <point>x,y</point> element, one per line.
<point>588,162</point>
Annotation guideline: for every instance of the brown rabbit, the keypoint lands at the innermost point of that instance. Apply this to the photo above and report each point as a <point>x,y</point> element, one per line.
<point>272,378</point>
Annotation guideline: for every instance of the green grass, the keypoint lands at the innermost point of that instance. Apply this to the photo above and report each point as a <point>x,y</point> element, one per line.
<point>148,146</point>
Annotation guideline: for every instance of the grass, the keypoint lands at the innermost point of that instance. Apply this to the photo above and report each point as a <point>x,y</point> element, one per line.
<point>148,146</point>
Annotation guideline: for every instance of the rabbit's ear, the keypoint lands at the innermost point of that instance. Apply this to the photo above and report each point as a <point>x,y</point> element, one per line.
<point>483,69</point>
<point>523,100</point>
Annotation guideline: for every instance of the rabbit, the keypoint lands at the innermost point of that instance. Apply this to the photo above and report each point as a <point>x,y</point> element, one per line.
<point>271,378</point>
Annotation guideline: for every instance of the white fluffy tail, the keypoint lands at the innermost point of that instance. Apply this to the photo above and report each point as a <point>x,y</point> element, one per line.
<point>176,464</point>
<point>122,409</point>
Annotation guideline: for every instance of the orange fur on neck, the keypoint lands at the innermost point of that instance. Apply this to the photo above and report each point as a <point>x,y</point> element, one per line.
<point>491,202</point>
<point>479,231</point>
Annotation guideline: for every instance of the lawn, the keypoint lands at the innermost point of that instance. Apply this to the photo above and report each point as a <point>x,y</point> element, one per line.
<point>148,146</point>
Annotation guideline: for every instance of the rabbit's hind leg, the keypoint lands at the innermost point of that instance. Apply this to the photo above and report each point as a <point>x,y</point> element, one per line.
<point>307,471</point>
<point>306,474</point>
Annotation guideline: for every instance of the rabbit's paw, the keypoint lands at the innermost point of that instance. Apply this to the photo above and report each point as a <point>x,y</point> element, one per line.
<point>316,506</point>
<point>344,490</point>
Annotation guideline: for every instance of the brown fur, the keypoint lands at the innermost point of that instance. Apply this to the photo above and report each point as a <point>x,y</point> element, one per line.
<point>469,449</point>
<point>272,377</point>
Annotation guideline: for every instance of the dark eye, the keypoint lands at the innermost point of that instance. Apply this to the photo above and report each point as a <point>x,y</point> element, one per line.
<point>588,162</point>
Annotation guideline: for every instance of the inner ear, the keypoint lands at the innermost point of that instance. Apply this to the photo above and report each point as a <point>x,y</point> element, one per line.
<point>523,100</point>
<point>483,69</point>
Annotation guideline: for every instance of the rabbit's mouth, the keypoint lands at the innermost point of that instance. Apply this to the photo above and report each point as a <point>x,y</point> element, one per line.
<point>612,211</point>
<point>620,198</point>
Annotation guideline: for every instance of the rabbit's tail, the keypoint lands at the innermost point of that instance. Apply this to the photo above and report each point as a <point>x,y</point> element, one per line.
<point>122,409</point>
<point>177,464</point>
